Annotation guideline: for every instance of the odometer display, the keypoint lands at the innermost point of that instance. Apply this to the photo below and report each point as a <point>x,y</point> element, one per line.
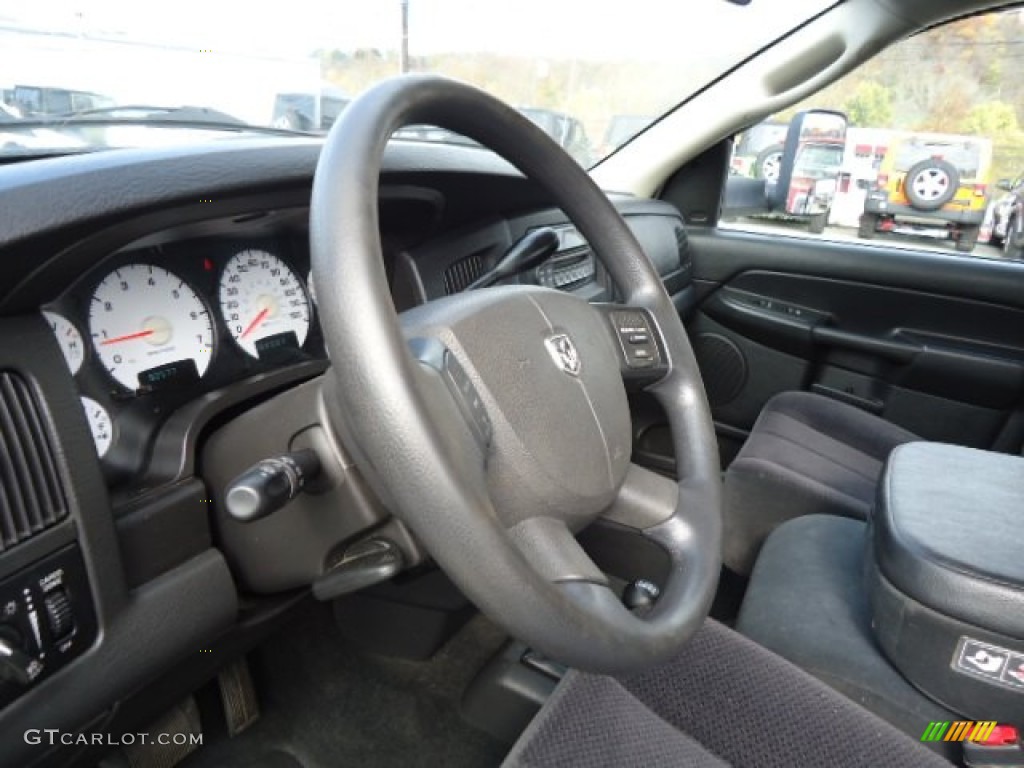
<point>143,317</point>
<point>260,296</point>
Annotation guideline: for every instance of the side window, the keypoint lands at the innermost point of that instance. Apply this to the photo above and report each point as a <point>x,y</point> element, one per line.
<point>933,155</point>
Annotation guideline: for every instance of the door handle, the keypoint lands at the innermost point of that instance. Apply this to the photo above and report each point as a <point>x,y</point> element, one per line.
<point>897,351</point>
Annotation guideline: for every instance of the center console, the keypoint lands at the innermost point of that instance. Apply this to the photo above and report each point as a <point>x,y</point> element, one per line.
<point>946,576</point>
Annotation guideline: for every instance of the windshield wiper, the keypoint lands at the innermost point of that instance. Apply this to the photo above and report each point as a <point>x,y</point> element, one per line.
<point>202,118</point>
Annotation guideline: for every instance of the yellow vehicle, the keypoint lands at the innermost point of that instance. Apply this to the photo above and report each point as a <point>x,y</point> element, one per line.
<point>929,178</point>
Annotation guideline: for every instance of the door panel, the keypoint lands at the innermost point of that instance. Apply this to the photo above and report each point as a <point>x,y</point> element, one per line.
<point>932,342</point>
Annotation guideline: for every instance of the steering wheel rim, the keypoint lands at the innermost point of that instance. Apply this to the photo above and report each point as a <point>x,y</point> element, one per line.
<point>520,570</point>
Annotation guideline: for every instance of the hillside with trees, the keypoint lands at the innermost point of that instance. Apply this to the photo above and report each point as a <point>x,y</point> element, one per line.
<point>960,78</point>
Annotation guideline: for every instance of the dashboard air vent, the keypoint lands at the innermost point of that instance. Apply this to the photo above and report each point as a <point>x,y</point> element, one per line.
<point>31,498</point>
<point>463,272</point>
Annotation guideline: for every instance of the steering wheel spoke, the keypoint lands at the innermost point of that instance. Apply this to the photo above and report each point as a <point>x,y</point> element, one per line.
<point>643,359</point>
<point>552,550</point>
<point>435,356</point>
<point>645,500</point>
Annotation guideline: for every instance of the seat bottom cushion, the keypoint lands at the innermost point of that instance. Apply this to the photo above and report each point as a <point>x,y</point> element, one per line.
<point>807,454</point>
<point>722,701</point>
<point>807,601</point>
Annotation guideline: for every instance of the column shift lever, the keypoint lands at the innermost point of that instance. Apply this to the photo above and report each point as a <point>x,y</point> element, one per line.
<point>526,252</point>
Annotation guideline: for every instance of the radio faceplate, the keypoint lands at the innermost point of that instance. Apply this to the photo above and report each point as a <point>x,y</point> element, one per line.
<point>572,264</point>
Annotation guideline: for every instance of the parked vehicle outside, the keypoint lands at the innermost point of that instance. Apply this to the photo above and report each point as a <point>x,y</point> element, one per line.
<point>40,101</point>
<point>758,152</point>
<point>813,185</point>
<point>305,111</point>
<point>622,128</point>
<point>1006,217</point>
<point>35,140</point>
<point>932,179</point>
<point>804,185</point>
<point>565,129</point>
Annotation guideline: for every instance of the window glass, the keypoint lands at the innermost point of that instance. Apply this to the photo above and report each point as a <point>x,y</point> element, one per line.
<point>933,150</point>
<point>965,156</point>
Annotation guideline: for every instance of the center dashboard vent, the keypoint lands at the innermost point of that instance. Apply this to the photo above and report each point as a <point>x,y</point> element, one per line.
<point>31,496</point>
<point>460,274</point>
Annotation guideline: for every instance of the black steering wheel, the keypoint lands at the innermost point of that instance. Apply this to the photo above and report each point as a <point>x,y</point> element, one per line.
<point>495,423</point>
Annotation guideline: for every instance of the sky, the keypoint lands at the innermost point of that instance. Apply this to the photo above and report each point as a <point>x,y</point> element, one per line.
<point>236,56</point>
<point>566,28</point>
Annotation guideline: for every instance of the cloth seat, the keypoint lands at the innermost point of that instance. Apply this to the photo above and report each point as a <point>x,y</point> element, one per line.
<point>809,603</point>
<point>807,454</point>
<point>723,701</point>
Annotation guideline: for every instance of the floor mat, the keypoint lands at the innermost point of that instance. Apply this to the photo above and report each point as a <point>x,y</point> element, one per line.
<point>328,705</point>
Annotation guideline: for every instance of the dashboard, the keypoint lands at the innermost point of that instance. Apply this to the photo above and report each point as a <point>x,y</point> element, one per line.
<point>150,300</point>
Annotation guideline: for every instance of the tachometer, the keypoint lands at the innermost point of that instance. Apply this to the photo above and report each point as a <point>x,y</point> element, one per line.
<point>149,327</point>
<point>263,303</point>
<point>69,339</point>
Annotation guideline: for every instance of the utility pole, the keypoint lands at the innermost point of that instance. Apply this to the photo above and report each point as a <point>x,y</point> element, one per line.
<point>404,56</point>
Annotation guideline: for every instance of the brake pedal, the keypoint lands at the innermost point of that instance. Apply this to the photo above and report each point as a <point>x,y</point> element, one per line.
<point>238,695</point>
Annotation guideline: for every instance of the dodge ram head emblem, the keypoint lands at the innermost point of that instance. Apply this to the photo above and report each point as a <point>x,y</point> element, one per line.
<point>564,353</point>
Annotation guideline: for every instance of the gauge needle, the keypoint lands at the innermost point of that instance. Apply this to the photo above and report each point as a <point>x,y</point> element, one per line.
<point>256,321</point>
<point>127,337</point>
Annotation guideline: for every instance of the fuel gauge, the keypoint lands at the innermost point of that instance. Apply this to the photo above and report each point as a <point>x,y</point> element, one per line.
<point>100,425</point>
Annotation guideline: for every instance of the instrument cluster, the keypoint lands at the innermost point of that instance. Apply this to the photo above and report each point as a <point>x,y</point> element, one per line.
<point>148,330</point>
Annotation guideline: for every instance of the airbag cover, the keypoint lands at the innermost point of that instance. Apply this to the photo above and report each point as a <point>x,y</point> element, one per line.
<point>561,440</point>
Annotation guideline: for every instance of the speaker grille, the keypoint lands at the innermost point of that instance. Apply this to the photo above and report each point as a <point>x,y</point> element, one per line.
<point>722,366</point>
<point>31,497</point>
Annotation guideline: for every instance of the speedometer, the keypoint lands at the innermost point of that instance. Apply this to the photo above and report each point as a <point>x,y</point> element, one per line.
<point>263,303</point>
<point>149,327</point>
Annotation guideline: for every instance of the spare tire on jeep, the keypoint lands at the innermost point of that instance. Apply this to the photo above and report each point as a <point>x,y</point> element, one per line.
<point>931,183</point>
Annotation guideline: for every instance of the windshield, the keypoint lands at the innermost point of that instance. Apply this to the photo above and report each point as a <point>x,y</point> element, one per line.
<point>590,76</point>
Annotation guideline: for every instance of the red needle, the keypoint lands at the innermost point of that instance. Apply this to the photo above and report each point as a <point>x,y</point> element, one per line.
<point>255,322</point>
<point>127,337</point>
